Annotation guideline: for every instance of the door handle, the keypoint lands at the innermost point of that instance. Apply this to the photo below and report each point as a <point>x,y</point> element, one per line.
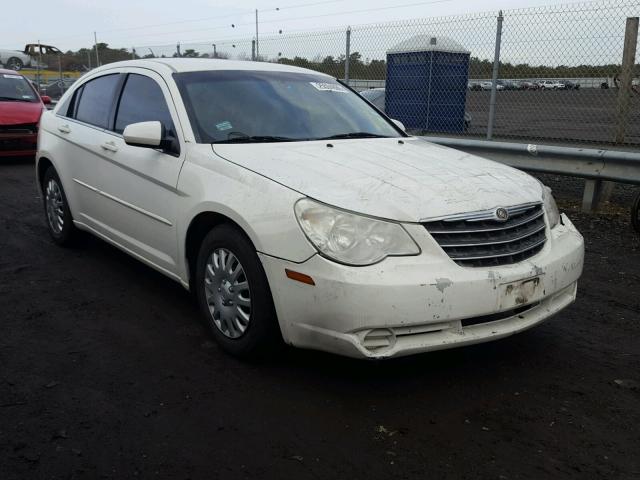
<point>111,146</point>
<point>64,129</point>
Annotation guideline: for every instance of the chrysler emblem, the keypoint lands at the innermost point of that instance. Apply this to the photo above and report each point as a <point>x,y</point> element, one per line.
<point>502,214</point>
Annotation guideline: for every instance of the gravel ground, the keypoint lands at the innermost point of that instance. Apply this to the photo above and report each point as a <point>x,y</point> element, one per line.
<point>105,372</point>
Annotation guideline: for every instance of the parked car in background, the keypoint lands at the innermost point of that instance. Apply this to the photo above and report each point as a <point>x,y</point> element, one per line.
<point>570,85</point>
<point>474,86</point>
<point>20,111</point>
<point>56,88</point>
<point>295,211</point>
<point>17,60</point>
<point>488,85</point>
<point>377,97</point>
<point>529,85</point>
<point>552,85</point>
<point>510,84</point>
<point>14,59</point>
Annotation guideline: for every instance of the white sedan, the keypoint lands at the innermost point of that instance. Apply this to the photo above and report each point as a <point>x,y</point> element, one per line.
<point>489,85</point>
<point>14,59</point>
<point>295,211</point>
<point>552,85</point>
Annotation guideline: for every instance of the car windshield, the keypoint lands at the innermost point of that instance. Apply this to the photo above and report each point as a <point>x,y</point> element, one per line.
<point>258,106</point>
<point>16,88</point>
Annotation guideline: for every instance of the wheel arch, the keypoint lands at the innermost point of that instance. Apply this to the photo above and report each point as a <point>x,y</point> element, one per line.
<point>41,167</point>
<point>199,226</point>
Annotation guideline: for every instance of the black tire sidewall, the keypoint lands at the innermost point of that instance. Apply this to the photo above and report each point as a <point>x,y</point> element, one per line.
<point>635,214</point>
<point>263,333</point>
<point>17,62</point>
<point>65,237</point>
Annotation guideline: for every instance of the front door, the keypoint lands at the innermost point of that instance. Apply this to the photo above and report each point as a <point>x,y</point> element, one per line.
<point>138,185</point>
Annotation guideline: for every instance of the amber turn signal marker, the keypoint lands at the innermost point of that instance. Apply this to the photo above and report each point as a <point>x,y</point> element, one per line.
<point>300,277</point>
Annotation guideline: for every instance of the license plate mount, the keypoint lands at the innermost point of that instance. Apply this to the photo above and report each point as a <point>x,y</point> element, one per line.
<point>520,293</point>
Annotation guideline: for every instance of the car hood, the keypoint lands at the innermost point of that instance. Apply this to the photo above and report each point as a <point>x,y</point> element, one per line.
<point>414,181</point>
<point>18,113</point>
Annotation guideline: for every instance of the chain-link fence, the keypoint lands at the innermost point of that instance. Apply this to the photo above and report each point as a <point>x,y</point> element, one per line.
<point>556,76</point>
<point>545,74</point>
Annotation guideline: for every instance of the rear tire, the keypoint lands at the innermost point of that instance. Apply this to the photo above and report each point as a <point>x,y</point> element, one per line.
<point>233,294</point>
<point>56,210</point>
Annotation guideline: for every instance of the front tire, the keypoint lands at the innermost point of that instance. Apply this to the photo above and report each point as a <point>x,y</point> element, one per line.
<point>14,63</point>
<point>56,209</point>
<point>233,294</point>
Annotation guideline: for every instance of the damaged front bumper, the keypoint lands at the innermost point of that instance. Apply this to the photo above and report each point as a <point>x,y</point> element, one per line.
<point>407,305</point>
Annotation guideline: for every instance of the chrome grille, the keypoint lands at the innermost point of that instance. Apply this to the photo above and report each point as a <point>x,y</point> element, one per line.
<point>482,240</point>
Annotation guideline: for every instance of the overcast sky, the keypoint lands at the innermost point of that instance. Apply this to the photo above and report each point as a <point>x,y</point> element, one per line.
<point>69,24</point>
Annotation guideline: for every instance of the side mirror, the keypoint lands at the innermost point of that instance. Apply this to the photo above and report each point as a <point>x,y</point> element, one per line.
<point>144,134</point>
<point>399,124</point>
<point>46,99</point>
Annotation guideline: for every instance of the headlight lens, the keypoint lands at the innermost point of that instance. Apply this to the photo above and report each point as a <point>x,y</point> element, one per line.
<point>550,207</point>
<point>349,238</point>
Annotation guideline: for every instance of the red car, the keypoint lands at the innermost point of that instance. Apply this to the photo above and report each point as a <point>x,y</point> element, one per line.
<point>20,111</point>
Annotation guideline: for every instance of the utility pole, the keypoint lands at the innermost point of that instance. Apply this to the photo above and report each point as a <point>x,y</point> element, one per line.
<point>347,57</point>
<point>624,100</point>
<point>253,50</point>
<point>95,43</point>
<point>257,43</point>
<point>626,78</point>
<point>38,68</point>
<point>494,78</point>
<point>215,54</point>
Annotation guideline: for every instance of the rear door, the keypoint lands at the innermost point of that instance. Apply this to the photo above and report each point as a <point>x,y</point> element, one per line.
<point>138,185</point>
<point>81,127</point>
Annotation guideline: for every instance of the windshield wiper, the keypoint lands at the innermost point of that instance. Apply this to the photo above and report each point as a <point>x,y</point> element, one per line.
<point>353,135</point>
<point>259,139</point>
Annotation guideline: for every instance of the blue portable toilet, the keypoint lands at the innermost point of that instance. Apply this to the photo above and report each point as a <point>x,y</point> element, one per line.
<point>426,87</point>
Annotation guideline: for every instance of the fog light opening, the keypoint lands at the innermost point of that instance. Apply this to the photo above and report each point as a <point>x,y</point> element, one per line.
<point>378,339</point>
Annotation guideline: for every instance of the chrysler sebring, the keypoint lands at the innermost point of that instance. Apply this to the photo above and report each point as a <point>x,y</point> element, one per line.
<point>296,211</point>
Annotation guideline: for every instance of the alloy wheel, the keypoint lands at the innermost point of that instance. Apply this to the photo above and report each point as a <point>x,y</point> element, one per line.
<point>55,206</point>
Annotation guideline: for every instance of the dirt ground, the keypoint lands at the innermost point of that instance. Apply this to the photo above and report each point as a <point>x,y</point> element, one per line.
<point>106,372</point>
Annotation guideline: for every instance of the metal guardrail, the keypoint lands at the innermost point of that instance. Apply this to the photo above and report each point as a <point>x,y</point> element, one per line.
<point>595,166</point>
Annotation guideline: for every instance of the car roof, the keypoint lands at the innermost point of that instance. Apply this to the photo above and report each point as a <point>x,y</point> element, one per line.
<point>206,64</point>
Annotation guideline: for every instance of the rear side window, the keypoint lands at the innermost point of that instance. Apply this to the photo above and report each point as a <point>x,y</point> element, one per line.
<point>96,100</point>
<point>142,100</point>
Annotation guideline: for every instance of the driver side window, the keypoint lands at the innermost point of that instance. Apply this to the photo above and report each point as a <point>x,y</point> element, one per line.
<point>142,100</point>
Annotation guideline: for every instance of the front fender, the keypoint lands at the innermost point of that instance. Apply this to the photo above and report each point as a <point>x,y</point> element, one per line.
<point>262,208</point>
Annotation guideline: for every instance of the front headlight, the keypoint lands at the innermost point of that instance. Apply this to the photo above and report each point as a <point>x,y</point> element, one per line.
<point>550,207</point>
<point>349,238</point>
